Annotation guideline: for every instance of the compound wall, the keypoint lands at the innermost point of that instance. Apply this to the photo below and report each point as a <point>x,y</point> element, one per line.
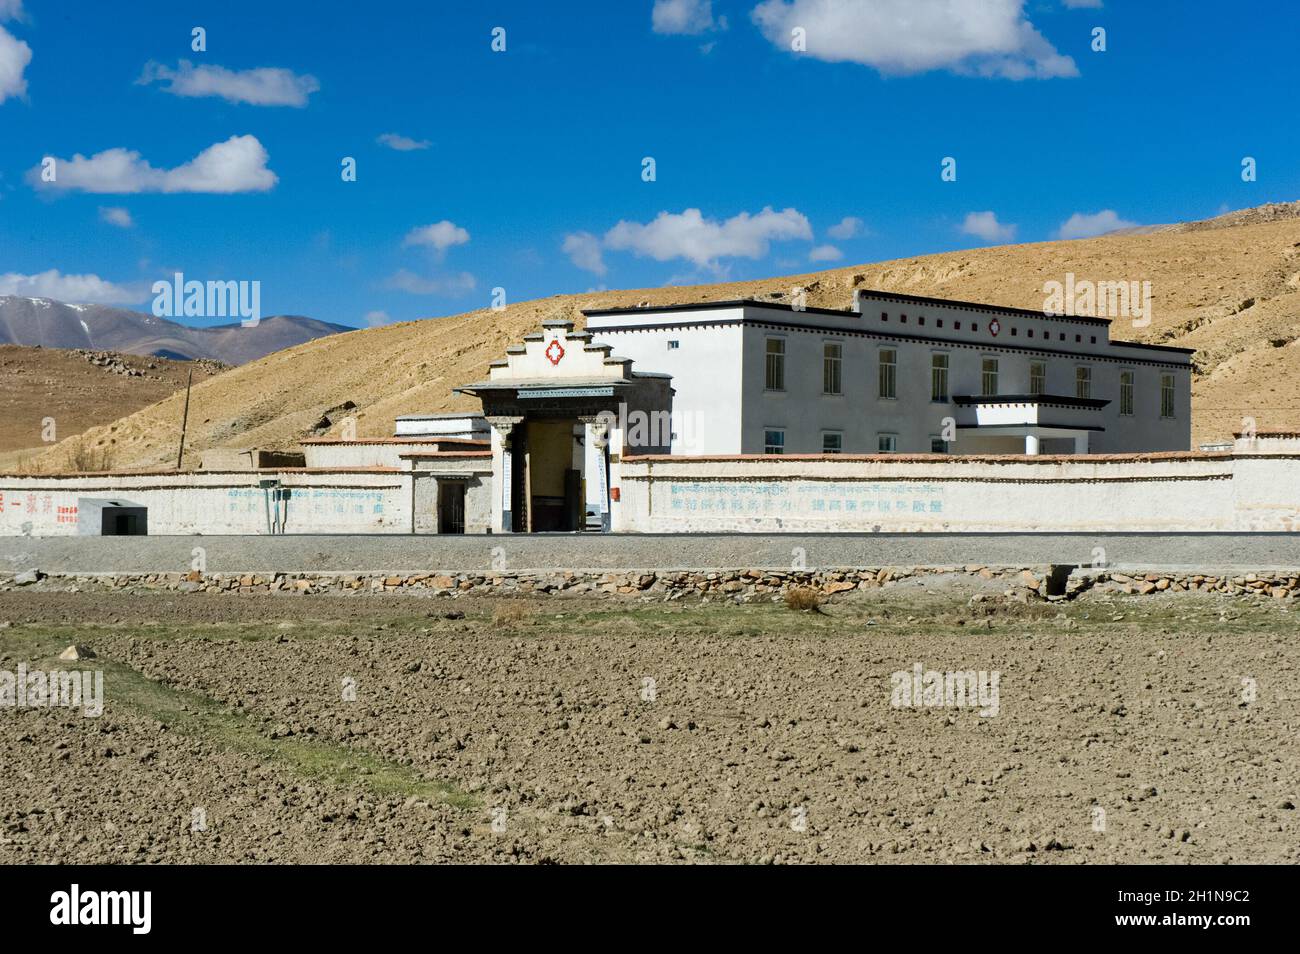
<point>1151,493</point>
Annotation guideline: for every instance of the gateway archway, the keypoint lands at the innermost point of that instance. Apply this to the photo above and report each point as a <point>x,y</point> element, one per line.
<point>555,403</point>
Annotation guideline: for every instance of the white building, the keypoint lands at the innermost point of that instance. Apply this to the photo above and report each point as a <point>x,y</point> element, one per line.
<point>693,418</point>
<point>902,374</point>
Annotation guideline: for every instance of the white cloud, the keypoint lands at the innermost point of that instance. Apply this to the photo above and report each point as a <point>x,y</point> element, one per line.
<point>402,143</point>
<point>985,225</point>
<point>376,318</point>
<point>14,57</point>
<point>583,250</point>
<point>440,236</point>
<point>848,227</point>
<point>689,235</point>
<point>690,17</point>
<point>1086,225</point>
<point>461,283</point>
<point>236,165</point>
<point>11,10</point>
<point>71,288</point>
<point>825,253</point>
<point>116,215</point>
<point>265,86</point>
<point>975,37</point>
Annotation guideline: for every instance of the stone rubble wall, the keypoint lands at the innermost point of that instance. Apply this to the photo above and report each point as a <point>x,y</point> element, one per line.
<point>1023,583</point>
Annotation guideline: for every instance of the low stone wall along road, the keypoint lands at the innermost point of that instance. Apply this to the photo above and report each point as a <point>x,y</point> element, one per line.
<point>503,552</point>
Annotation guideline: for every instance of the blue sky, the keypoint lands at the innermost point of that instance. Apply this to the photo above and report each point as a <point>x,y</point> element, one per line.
<point>522,169</point>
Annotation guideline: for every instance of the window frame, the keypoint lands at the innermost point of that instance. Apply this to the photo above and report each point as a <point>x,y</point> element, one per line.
<point>1170,392</point>
<point>1083,382</point>
<point>833,368</point>
<point>887,371</point>
<point>944,395</point>
<point>769,444</point>
<point>1041,387</point>
<point>774,360</point>
<point>1127,392</point>
<point>985,373</point>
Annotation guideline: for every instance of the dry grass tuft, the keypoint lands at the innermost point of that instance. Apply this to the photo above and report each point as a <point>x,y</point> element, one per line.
<point>803,598</point>
<point>509,614</point>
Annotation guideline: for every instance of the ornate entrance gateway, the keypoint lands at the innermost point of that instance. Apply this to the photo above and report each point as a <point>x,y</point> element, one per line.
<point>556,404</point>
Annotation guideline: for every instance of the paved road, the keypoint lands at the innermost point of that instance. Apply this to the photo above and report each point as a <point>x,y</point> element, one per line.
<point>475,553</point>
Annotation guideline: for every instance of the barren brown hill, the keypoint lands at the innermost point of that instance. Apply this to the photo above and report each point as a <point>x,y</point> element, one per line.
<point>1229,288</point>
<point>76,390</point>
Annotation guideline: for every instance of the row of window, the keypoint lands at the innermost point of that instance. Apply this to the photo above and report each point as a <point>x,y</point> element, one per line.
<point>1015,329</point>
<point>833,442</point>
<point>833,381</point>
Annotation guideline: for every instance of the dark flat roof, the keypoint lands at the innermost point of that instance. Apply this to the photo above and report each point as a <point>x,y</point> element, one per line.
<point>714,305</point>
<point>1052,400</point>
<point>1139,344</point>
<point>977,305</point>
<point>861,292</point>
<point>887,334</point>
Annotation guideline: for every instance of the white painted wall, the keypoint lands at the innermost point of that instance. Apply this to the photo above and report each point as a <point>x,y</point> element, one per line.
<point>465,426</point>
<point>393,452</point>
<point>706,372</point>
<point>1161,493</point>
<point>212,502</point>
<point>719,373</point>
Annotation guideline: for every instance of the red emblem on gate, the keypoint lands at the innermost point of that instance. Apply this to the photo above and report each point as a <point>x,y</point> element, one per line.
<point>994,327</point>
<point>554,351</point>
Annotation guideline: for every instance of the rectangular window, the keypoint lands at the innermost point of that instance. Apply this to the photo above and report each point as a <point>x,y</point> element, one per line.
<point>1083,381</point>
<point>674,345</point>
<point>938,445</point>
<point>1166,395</point>
<point>887,443</point>
<point>832,358</point>
<point>989,377</point>
<point>939,377</point>
<point>773,441</point>
<point>1126,393</point>
<point>832,442</point>
<point>775,364</point>
<point>889,373</point>
<point>1037,377</point>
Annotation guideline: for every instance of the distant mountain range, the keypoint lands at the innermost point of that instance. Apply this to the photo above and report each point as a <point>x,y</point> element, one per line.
<point>53,324</point>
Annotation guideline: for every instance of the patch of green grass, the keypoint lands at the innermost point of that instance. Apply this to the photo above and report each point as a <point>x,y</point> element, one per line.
<point>192,713</point>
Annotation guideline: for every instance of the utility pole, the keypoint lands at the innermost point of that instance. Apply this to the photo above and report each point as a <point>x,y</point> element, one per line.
<point>185,418</point>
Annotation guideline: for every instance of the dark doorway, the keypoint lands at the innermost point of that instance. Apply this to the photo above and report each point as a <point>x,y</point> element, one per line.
<point>451,506</point>
<point>125,522</point>
<point>554,484</point>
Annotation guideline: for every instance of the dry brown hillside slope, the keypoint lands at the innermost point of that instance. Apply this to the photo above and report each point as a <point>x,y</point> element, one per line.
<point>52,392</point>
<point>1228,287</point>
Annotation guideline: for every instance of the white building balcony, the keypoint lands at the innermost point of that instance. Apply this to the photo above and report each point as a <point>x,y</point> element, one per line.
<point>1026,423</point>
